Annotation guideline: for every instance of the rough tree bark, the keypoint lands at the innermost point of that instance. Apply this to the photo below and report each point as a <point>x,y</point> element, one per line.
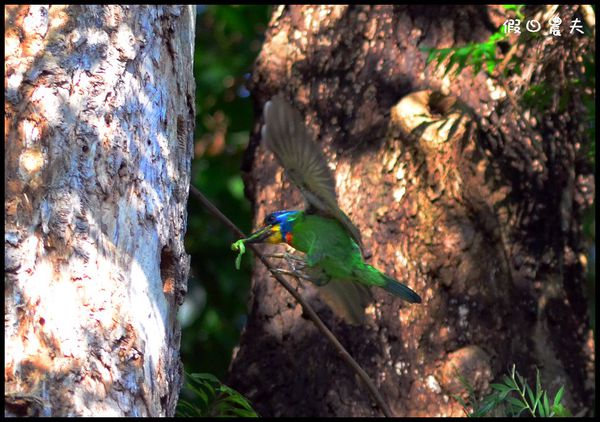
<point>483,222</point>
<point>98,141</point>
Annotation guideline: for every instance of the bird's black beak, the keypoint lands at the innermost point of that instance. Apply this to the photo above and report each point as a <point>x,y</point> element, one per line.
<point>260,235</point>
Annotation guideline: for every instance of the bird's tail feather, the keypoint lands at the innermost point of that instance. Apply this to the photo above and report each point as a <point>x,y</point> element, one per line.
<point>372,276</point>
<point>399,289</point>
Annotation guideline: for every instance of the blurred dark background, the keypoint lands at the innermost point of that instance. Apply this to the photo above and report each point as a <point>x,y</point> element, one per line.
<point>228,39</point>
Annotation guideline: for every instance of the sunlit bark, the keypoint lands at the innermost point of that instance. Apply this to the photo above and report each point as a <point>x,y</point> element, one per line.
<point>98,140</point>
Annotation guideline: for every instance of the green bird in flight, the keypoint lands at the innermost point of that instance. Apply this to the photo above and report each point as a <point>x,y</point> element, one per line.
<point>323,232</point>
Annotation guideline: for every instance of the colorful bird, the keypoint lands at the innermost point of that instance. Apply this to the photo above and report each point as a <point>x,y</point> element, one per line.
<point>331,243</point>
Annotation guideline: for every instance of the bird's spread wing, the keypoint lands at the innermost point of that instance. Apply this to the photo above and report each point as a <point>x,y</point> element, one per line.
<point>292,143</point>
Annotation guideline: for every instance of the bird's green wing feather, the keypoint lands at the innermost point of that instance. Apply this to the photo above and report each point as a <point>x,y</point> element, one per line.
<point>293,145</point>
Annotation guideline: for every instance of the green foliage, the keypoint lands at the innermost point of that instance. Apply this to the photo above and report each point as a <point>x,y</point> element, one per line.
<point>512,397</point>
<point>208,397</point>
<point>473,54</point>
<point>228,39</point>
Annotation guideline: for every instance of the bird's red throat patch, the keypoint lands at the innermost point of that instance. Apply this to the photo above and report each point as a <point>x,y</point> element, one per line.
<point>288,238</point>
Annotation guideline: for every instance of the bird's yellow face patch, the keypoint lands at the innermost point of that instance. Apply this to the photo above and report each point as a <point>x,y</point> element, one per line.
<point>271,233</point>
<point>275,236</point>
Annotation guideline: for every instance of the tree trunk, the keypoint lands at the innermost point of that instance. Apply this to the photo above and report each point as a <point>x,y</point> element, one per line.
<point>482,216</point>
<point>98,142</point>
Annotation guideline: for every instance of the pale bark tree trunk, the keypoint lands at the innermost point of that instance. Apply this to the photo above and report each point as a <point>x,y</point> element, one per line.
<point>484,223</point>
<point>98,141</point>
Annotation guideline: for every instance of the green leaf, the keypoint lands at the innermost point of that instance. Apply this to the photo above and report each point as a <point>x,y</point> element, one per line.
<point>510,383</point>
<point>206,389</point>
<point>521,380</point>
<point>205,377</point>
<point>441,56</point>
<point>501,387</point>
<point>459,400</point>
<point>477,66</point>
<point>214,398</point>
<point>512,405</point>
<point>442,53</point>
<point>496,37</point>
<point>491,65</point>
<point>462,55</point>
<point>530,395</point>
<point>450,65</point>
<point>462,403</point>
<point>185,408</point>
<point>516,411</point>
<point>488,50</point>
<point>559,395</point>
<point>431,54</point>
<point>516,402</point>
<point>538,396</point>
<point>546,405</point>
<point>486,408</point>
<point>199,391</point>
<point>560,410</point>
<point>235,397</point>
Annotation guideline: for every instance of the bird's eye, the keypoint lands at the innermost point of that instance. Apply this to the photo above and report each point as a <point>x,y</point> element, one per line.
<point>270,219</point>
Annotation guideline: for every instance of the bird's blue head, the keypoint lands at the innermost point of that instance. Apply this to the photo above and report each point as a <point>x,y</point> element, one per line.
<point>277,228</point>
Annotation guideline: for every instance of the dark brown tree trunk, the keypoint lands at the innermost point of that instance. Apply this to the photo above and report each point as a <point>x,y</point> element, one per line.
<point>482,221</point>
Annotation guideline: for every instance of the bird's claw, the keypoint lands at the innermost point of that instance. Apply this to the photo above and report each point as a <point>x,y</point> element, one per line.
<point>286,256</point>
<point>293,273</point>
<point>318,281</point>
<point>300,268</point>
<point>295,262</point>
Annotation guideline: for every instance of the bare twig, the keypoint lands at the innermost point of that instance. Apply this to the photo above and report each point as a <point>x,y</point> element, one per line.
<point>305,306</point>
